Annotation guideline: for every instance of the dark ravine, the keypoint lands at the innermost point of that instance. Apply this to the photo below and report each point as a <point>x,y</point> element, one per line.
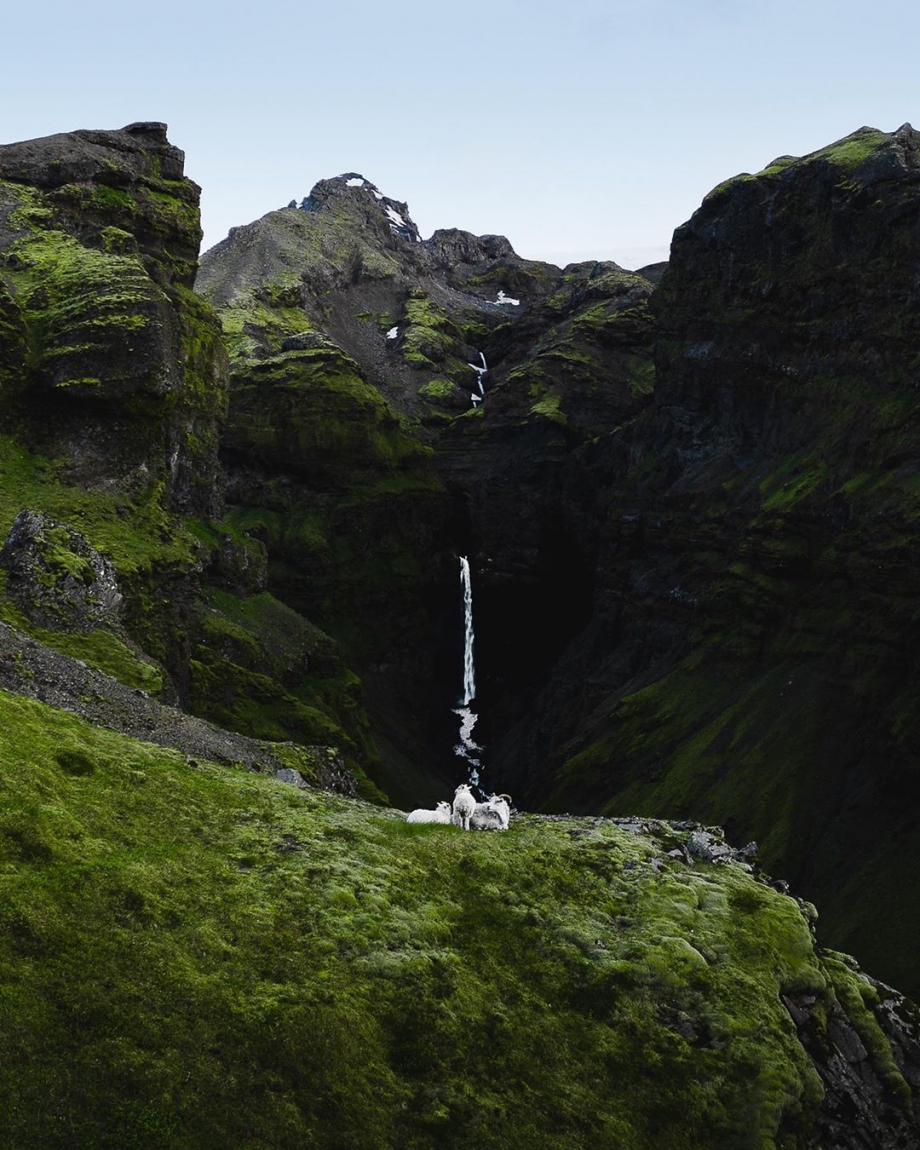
<point>752,549</point>
<point>232,499</point>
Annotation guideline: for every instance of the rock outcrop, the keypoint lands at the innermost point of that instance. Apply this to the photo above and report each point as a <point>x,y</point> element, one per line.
<point>112,362</point>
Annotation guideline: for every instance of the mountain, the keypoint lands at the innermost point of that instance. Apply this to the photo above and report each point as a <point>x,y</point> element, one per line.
<point>232,502</point>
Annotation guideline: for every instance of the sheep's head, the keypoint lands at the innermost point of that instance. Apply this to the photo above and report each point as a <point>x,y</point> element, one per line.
<point>464,787</point>
<point>443,806</point>
<point>500,799</point>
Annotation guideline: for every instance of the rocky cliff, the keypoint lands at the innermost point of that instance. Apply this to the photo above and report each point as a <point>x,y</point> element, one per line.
<point>230,524</point>
<point>355,348</point>
<point>113,388</point>
<point>748,549</point>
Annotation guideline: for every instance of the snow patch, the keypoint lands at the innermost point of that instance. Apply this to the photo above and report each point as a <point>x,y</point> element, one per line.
<point>396,217</point>
<point>393,333</point>
<point>502,298</point>
<point>378,195</point>
<point>354,182</point>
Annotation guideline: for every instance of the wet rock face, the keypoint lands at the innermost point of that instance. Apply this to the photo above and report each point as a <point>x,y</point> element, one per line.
<point>56,578</point>
<point>112,364</point>
<point>750,656</point>
<point>787,280</point>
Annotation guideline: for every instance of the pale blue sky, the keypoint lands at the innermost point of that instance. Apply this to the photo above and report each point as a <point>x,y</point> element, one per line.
<point>581,130</point>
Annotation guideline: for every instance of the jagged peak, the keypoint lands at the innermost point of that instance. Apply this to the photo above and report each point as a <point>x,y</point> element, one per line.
<point>354,186</point>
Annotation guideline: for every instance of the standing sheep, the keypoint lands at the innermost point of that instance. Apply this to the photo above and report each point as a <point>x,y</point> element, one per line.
<point>464,805</point>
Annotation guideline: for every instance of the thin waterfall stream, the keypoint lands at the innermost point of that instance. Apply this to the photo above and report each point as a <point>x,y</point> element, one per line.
<point>467,749</point>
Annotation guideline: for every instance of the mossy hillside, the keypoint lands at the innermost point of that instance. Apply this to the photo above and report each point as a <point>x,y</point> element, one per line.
<point>259,668</point>
<point>313,413</point>
<point>194,955</point>
<point>100,648</point>
<point>149,547</point>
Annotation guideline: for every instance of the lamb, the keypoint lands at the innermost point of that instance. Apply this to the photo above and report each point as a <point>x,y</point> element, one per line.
<point>464,805</point>
<point>441,814</point>
<point>494,815</point>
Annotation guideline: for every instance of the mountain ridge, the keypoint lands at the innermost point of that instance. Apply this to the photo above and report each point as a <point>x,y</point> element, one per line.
<point>688,503</point>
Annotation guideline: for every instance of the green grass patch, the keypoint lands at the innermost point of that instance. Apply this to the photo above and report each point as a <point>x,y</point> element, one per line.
<point>197,956</point>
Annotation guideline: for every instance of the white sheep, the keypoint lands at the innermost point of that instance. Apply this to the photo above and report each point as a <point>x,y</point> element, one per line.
<point>494,815</point>
<point>464,805</point>
<point>441,814</point>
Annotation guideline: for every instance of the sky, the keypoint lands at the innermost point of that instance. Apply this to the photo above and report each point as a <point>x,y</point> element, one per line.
<point>579,129</point>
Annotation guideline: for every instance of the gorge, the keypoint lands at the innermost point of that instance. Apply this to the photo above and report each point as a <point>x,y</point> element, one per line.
<point>235,492</point>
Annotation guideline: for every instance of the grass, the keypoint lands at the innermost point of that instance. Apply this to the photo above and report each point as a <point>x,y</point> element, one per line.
<point>194,955</point>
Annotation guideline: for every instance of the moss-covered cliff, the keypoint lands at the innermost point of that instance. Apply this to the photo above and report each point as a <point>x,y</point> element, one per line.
<point>749,547</point>
<point>113,387</point>
<point>195,956</point>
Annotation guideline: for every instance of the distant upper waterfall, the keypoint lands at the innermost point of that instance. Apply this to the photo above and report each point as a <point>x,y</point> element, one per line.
<point>480,372</point>
<point>468,749</point>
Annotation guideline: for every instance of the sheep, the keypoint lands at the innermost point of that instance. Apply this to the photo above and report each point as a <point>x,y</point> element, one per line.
<point>464,805</point>
<point>441,814</point>
<point>501,804</point>
<point>494,815</point>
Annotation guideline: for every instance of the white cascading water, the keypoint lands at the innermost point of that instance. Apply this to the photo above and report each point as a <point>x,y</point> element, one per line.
<point>480,372</point>
<point>467,749</point>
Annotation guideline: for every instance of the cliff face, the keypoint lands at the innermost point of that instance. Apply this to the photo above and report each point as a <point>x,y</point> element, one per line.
<point>354,348</point>
<point>110,360</point>
<point>750,650</point>
<point>690,513</point>
<point>113,391</point>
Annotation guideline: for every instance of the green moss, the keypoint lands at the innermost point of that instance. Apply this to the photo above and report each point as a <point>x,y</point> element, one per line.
<point>135,533</point>
<point>857,996</point>
<point>851,150</point>
<point>548,407</point>
<point>77,302</point>
<point>438,389</point>
<point>201,956</point>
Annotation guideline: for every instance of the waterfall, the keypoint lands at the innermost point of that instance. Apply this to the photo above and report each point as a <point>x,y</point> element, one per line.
<point>467,749</point>
<point>469,636</point>
<point>480,372</point>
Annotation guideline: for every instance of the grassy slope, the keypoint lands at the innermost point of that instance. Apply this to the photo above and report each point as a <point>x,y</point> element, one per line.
<point>196,956</point>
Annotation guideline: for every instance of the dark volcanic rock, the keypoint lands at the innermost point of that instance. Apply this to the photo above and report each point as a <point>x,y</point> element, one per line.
<point>750,651</point>
<point>114,365</point>
<point>56,578</point>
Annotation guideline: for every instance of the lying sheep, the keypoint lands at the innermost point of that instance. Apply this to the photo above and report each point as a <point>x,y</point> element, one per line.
<point>464,805</point>
<point>493,815</point>
<point>441,814</point>
<point>502,805</point>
